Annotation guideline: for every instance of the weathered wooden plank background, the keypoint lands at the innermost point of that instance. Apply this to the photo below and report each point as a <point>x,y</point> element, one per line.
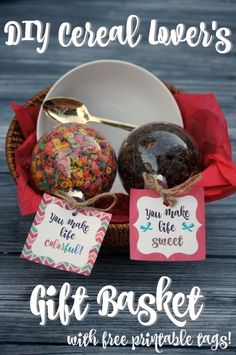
<point>24,72</point>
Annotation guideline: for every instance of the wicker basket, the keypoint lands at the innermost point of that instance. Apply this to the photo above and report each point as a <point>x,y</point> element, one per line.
<point>117,234</point>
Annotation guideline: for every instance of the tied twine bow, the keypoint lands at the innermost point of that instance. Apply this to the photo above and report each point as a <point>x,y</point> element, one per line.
<point>87,204</point>
<point>151,182</point>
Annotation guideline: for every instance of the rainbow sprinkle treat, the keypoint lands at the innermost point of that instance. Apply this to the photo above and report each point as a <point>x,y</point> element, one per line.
<point>73,156</point>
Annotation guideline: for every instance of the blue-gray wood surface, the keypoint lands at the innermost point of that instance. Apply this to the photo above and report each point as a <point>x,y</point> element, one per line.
<point>23,73</point>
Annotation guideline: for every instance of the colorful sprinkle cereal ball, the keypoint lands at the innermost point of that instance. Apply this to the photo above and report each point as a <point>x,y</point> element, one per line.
<point>73,156</point>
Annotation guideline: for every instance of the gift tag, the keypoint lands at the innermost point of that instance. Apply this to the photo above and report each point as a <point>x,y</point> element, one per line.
<point>65,239</point>
<point>162,233</point>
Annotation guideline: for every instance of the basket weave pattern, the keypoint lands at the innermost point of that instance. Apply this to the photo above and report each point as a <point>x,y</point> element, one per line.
<point>117,234</point>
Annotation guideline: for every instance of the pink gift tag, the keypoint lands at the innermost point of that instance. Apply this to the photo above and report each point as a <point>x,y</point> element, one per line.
<point>162,233</point>
<point>65,239</point>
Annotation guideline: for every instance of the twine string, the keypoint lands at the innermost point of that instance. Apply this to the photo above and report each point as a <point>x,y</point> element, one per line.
<point>87,204</point>
<point>168,195</point>
<point>150,182</point>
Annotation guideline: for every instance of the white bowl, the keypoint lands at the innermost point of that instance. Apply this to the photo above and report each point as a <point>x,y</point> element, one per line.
<point>117,90</point>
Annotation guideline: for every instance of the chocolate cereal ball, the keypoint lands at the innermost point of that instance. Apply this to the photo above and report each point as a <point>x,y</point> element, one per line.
<point>160,149</point>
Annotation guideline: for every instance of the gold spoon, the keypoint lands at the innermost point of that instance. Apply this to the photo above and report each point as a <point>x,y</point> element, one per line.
<point>65,109</point>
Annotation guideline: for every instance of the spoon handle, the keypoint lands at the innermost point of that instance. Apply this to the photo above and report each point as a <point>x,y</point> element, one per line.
<point>126,126</point>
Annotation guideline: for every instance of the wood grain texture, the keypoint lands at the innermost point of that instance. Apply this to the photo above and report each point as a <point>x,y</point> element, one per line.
<point>22,73</point>
<point>20,349</point>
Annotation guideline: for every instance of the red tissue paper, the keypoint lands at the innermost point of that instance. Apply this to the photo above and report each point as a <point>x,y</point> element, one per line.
<point>202,118</point>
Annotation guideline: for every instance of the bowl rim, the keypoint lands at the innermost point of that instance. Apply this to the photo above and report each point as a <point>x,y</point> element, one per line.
<point>114,61</point>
